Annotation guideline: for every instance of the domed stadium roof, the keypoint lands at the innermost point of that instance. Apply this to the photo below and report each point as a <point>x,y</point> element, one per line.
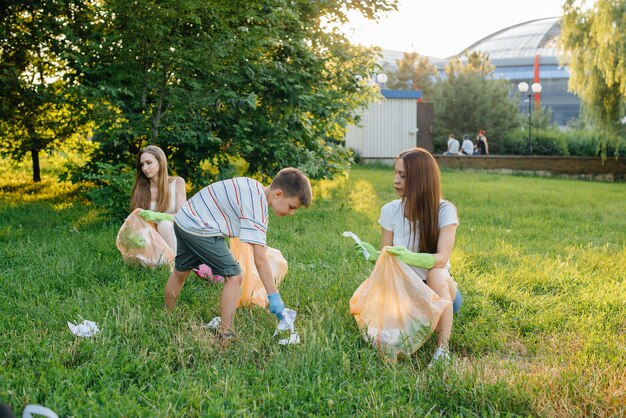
<point>524,40</point>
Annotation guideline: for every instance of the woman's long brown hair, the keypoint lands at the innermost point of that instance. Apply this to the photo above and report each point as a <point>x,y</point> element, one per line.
<point>141,197</point>
<point>422,193</point>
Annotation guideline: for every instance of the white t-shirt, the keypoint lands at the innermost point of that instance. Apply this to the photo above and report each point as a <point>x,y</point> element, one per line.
<point>392,219</point>
<point>453,143</point>
<point>468,146</point>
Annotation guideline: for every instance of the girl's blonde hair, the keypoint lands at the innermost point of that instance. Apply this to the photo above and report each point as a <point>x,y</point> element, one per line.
<point>422,195</point>
<point>141,196</point>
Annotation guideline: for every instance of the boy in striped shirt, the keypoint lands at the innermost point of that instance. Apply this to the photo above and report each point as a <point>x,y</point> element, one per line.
<point>233,208</point>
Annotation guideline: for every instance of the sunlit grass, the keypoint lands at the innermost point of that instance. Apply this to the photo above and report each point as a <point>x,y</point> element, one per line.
<point>542,331</point>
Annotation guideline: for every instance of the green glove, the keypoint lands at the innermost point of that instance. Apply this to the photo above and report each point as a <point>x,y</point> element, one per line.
<point>421,260</point>
<point>373,252</point>
<point>151,216</point>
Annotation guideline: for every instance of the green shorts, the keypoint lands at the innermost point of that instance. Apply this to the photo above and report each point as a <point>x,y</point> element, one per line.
<point>193,250</point>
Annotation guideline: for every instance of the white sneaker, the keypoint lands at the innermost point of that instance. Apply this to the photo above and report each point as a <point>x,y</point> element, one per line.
<point>442,354</point>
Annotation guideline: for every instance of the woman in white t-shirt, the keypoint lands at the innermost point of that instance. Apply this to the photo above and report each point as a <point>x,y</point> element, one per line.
<point>422,228</point>
<point>156,191</point>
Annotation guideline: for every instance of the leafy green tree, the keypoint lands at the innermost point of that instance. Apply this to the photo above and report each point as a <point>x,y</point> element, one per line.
<point>468,100</point>
<point>414,72</point>
<point>476,62</point>
<point>595,52</point>
<point>38,111</point>
<point>213,81</point>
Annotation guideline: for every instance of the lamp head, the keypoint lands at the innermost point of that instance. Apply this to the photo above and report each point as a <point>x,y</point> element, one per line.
<point>523,87</point>
<point>536,87</point>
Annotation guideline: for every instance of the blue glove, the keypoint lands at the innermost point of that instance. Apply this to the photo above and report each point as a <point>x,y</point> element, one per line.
<point>276,305</point>
<point>373,252</point>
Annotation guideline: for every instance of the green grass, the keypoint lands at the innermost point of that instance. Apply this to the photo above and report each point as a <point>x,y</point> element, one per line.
<point>541,264</point>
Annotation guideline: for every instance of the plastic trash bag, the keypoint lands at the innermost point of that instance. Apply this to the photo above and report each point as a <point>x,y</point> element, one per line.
<point>140,243</point>
<point>253,292</point>
<point>394,309</point>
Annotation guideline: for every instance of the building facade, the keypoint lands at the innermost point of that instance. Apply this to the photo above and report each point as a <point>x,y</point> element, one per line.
<point>527,52</point>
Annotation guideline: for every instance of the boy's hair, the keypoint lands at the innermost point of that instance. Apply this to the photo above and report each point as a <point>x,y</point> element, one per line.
<point>294,183</point>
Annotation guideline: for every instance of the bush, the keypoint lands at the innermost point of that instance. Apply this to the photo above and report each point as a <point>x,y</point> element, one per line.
<point>549,142</point>
<point>578,142</point>
<point>544,141</point>
<point>440,144</point>
<point>111,187</point>
<point>586,142</point>
<point>516,143</point>
<point>582,142</point>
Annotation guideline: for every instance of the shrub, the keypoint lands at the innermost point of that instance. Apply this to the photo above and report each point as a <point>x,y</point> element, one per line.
<point>515,143</point>
<point>440,144</point>
<point>582,142</point>
<point>111,186</point>
<point>549,142</point>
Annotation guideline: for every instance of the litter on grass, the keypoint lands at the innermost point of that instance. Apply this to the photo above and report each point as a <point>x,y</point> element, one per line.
<point>287,325</point>
<point>213,323</point>
<point>84,329</point>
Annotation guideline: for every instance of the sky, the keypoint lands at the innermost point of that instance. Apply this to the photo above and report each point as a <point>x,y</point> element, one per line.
<point>442,28</point>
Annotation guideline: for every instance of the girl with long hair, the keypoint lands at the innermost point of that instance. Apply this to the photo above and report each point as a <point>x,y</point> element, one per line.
<point>157,191</point>
<point>421,228</point>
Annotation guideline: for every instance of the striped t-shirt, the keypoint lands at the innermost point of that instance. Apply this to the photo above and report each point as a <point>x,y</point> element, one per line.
<point>231,208</point>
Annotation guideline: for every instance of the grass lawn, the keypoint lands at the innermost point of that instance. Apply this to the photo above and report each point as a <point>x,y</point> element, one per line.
<point>542,332</point>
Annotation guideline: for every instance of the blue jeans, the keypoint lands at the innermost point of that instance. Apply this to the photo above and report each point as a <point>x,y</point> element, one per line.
<point>456,303</point>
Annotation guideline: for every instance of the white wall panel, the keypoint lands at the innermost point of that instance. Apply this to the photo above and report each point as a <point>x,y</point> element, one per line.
<point>386,129</point>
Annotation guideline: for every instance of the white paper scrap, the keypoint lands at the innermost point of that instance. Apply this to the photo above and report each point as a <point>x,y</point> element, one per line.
<point>287,324</point>
<point>85,329</point>
<point>294,338</point>
<point>213,323</point>
<point>356,239</point>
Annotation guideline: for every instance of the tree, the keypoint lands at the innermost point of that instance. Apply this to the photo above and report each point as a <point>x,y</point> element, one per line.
<point>37,108</point>
<point>476,62</point>
<point>414,72</point>
<point>212,81</point>
<point>468,100</point>
<point>595,53</point>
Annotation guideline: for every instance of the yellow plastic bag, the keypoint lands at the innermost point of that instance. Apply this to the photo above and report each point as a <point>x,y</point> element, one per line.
<point>253,292</point>
<point>394,309</point>
<point>140,243</point>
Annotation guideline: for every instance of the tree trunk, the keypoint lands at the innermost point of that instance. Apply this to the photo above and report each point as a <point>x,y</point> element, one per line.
<point>36,169</point>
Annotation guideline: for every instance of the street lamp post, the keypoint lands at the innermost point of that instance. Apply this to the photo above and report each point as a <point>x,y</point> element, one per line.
<point>536,89</point>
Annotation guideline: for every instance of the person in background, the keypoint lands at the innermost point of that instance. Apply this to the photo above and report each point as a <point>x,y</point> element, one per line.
<point>482,144</point>
<point>156,192</point>
<point>421,227</point>
<point>453,146</point>
<point>467,147</point>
